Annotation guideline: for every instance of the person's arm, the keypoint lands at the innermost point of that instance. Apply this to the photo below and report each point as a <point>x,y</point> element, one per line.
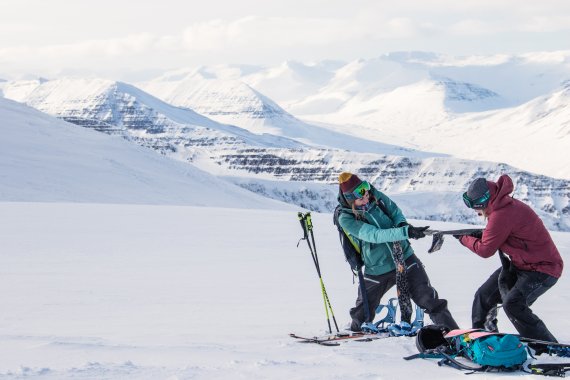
<point>393,210</point>
<point>367,232</point>
<point>494,235</point>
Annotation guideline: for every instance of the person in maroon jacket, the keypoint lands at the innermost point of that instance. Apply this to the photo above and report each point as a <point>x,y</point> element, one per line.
<point>535,265</point>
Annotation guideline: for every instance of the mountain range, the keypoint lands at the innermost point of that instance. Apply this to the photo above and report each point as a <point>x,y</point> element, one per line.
<point>496,108</point>
<point>221,120</point>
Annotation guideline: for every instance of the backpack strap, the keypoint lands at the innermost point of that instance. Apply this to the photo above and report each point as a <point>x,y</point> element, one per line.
<point>380,203</point>
<point>452,362</point>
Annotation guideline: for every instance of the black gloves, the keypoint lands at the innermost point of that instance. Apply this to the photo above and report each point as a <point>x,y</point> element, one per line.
<point>416,232</point>
<point>477,234</point>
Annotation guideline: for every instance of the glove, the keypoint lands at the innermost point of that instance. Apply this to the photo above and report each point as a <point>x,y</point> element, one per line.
<point>477,234</point>
<point>416,232</point>
<point>403,224</point>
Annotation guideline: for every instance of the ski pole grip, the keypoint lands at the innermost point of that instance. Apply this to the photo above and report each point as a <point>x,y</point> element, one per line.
<point>308,221</point>
<point>302,217</point>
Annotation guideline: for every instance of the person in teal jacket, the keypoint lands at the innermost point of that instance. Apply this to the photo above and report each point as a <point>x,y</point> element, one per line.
<point>374,221</point>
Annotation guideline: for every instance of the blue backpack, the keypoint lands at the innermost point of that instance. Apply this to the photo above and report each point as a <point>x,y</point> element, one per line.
<point>491,351</point>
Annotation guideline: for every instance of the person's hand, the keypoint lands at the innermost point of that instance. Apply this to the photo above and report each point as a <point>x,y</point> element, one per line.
<point>416,232</point>
<point>477,234</point>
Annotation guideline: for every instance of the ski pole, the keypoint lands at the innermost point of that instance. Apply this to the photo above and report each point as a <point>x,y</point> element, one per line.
<point>324,291</point>
<point>325,295</point>
<point>307,225</point>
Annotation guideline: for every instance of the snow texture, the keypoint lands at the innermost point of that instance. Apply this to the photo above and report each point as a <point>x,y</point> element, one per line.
<point>93,291</point>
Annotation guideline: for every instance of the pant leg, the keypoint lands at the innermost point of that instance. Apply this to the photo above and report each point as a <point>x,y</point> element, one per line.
<point>529,286</point>
<point>425,296</point>
<point>376,287</point>
<point>485,301</point>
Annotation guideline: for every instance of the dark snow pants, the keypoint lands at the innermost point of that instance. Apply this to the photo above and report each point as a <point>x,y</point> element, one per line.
<point>421,293</point>
<point>525,288</point>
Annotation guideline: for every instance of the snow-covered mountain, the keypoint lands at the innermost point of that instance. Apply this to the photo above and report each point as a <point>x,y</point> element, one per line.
<point>119,108</point>
<point>227,101</point>
<point>515,78</point>
<point>298,174</point>
<point>292,81</point>
<point>479,107</point>
<point>234,102</point>
<point>484,108</point>
<point>44,159</point>
<point>534,135</point>
<point>429,188</point>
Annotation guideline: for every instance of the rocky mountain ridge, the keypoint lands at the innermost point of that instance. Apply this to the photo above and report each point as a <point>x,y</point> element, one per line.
<point>285,169</point>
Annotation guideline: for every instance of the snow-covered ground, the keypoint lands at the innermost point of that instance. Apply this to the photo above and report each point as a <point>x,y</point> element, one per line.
<point>95,291</point>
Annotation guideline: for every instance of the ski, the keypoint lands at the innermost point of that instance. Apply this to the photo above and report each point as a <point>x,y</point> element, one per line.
<point>552,348</point>
<point>542,342</point>
<point>549,369</point>
<point>334,340</point>
<point>316,340</point>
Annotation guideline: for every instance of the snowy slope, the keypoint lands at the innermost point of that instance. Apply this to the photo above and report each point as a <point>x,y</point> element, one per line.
<point>46,159</point>
<point>407,114</point>
<point>153,292</point>
<point>534,136</point>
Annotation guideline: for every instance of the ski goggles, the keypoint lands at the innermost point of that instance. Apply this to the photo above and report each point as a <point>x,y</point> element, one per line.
<point>479,203</point>
<point>358,192</point>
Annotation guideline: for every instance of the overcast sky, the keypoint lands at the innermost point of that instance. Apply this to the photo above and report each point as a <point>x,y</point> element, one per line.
<point>132,40</point>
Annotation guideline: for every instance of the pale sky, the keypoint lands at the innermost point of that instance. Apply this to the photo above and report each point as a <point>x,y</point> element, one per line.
<point>138,39</point>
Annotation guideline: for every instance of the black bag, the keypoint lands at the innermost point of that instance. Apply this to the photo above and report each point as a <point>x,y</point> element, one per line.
<point>350,248</point>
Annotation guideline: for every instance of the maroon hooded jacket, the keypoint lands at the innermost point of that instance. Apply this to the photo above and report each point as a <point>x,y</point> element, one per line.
<point>515,228</point>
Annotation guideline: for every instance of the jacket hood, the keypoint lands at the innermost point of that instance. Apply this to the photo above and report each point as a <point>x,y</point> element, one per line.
<point>500,192</point>
<point>342,200</point>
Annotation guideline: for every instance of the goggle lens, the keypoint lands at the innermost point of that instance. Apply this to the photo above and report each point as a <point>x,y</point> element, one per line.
<point>479,203</point>
<point>359,192</point>
<point>361,189</point>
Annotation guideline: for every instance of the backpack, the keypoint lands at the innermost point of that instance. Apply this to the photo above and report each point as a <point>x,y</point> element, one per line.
<point>491,351</point>
<point>350,247</point>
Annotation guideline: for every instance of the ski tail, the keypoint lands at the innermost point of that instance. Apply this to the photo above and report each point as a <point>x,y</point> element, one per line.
<point>549,369</point>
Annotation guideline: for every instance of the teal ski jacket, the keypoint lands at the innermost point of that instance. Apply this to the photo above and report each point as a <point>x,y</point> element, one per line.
<point>375,232</point>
